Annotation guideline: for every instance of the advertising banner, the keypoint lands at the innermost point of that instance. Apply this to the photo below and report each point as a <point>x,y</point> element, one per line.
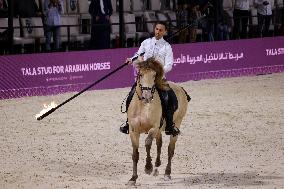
<point>54,73</point>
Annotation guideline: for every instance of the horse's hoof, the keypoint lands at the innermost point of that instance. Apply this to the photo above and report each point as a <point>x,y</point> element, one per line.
<point>167,177</point>
<point>131,183</point>
<point>158,163</point>
<point>149,170</point>
<point>156,172</point>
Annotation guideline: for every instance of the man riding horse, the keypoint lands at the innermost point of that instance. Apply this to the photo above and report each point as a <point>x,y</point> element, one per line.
<point>161,50</point>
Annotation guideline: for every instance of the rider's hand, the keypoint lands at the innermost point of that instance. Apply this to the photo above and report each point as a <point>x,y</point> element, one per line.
<point>128,60</point>
<point>140,58</point>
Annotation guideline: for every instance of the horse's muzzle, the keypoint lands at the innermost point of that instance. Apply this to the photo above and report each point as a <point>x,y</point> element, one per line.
<point>147,97</point>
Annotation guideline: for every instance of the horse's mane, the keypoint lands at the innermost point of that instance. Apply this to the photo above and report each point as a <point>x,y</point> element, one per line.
<point>155,65</point>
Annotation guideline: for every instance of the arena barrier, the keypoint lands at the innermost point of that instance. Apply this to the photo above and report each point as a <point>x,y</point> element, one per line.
<point>54,73</point>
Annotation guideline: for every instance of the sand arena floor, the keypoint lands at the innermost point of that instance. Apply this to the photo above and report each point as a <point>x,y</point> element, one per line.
<point>232,137</point>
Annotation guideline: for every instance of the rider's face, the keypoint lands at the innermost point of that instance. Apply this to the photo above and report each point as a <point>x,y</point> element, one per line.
<point>160,31</point>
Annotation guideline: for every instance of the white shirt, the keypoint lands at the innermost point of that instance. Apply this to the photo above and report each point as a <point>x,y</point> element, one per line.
<point>159,49</point>
<point>242,5</point>
<point>264,9</point>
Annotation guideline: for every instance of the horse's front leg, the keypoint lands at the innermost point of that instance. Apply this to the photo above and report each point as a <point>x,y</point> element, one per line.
<point>159,143</point>
<point>135,156</point>
<point>148,145</point>
<point>171,151</point>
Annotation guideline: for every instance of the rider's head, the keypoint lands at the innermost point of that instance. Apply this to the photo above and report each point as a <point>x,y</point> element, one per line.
<point>160,29</point>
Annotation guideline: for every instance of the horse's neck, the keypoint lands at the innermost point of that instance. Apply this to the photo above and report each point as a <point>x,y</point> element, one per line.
<point>141,112</point>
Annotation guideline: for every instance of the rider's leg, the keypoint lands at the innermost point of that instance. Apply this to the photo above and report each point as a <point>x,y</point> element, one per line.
<point>167,100</point>
<point>125,127</point>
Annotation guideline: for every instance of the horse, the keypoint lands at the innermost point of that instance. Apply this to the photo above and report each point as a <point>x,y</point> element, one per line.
<point>145,115</point>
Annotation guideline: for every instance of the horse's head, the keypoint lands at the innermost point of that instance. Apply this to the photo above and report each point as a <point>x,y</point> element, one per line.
<point>149,77</point>
<point>146,83</point>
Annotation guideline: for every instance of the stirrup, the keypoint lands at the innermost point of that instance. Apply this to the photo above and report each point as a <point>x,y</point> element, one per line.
<point>172,131</point>
<point>124,128</point>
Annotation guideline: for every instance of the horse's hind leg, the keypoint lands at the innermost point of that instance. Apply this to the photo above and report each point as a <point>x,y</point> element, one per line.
<point>171,151</point>
<point>148,145</point>
<point>135,156</point>
<point>159,142</point>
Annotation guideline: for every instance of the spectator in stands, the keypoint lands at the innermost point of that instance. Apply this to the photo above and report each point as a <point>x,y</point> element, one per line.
<point>281,29</point>
<point>223,27</point>
<point>182,16</point>
<point>100,10</point>
<point>241,17</point>
<point>264,16</point>
<point>278,17</point>
<point>52,11</point>
<point>3,9</point>
<point>26,8</point>
<point>219,23</point>
<point>160,49</point>
<point>207,24</point>
<point>194,17</point>
<point>222,21</point>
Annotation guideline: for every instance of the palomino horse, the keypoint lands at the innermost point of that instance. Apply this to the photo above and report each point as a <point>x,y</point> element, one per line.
<point>145,115</point>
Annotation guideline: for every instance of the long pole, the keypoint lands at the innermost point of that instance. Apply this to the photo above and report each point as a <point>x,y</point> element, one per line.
<point>177,32</point>
<point>85,89</point>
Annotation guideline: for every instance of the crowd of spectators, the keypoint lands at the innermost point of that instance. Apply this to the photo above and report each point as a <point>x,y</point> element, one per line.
<point>208,20</point>
<point>214,23</point>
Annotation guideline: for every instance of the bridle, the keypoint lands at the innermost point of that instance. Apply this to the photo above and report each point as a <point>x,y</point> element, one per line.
<point>152,89</point>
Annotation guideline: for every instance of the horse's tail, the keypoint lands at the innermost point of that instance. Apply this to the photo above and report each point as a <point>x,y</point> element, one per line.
<point>187,96</point>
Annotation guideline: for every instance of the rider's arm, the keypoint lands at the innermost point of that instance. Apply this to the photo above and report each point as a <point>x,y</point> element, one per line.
<point>140,51</point>
<point>168,59</point>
